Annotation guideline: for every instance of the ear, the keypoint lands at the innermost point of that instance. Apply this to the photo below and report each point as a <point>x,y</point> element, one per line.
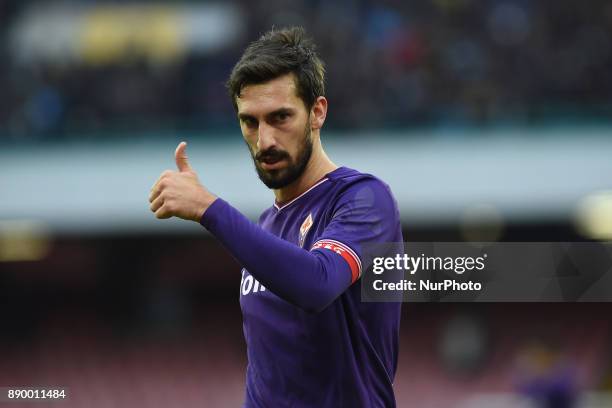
<point>318,113</point>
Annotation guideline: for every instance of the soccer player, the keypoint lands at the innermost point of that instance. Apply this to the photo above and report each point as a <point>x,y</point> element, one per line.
<point>311,342</point>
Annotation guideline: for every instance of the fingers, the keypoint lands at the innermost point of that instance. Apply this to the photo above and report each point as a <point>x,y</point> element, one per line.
<point>163,213</point>
<point>158,186</point>
<point>155,192</point>
<point>161,209</point>
<point>157,203</point>
<point>180,157</point>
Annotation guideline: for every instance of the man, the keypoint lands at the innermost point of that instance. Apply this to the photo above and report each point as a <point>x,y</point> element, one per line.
<point>311,342</point>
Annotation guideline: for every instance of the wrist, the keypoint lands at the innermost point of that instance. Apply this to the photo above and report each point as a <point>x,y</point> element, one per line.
<point>206,203</point>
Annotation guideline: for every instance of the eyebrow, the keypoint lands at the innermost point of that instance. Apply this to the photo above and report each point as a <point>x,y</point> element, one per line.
<point>245,116</point>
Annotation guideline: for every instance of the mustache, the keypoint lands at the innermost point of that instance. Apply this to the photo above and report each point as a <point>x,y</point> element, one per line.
<point>272,155</point>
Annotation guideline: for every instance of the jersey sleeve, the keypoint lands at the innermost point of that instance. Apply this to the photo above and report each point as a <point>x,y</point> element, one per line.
<point>365,213</point>
<point>310,280</point>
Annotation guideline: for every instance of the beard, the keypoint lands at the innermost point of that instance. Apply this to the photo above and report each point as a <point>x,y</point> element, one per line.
<point>279,178</point>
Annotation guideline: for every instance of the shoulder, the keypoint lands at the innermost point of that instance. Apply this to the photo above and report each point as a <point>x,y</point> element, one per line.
<point>354,186</point>
<point>363,211</point>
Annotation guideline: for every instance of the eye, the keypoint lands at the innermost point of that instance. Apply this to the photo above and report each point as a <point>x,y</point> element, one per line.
<point>249,122</point>
<point>282,116</point>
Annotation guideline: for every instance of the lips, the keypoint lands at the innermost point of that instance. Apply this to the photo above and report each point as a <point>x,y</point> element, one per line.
<point>270,160</point>
<point>272,164</point>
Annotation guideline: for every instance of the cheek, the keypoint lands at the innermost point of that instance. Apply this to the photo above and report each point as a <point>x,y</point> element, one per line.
<point>250,141</point>
<point>297,142</point>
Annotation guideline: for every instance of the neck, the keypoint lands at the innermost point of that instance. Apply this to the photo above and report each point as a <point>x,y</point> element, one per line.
<point>318,166</point>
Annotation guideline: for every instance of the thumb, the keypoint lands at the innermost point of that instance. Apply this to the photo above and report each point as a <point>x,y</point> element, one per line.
<point>180,157</point>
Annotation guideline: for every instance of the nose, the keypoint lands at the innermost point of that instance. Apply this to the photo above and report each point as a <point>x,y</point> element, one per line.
<point>265,137</point>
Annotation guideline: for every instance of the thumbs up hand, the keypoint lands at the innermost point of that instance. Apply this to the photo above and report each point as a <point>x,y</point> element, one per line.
<point>180,157</point>
<point>180,193</point>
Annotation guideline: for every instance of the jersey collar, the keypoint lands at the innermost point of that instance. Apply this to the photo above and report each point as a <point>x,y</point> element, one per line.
<point>323,180</point>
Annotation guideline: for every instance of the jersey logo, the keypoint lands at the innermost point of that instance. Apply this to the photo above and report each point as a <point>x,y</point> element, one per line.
<point>305,228</point>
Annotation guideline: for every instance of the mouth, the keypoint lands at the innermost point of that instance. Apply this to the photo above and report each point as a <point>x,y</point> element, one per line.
<point>272,163</point>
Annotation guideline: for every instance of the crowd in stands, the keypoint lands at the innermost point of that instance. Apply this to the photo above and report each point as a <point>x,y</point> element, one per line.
<point>389,64</point>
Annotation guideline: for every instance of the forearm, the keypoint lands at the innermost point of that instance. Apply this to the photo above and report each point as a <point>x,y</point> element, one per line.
<point>309,280</point>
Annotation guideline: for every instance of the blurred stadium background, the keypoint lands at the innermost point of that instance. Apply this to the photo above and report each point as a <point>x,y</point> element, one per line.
<point>490,120</point>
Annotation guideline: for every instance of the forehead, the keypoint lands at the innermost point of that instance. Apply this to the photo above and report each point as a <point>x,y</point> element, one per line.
<point>268,96</point>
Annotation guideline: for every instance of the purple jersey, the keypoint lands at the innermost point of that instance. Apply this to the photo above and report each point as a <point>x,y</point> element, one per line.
<point>344,355</point>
